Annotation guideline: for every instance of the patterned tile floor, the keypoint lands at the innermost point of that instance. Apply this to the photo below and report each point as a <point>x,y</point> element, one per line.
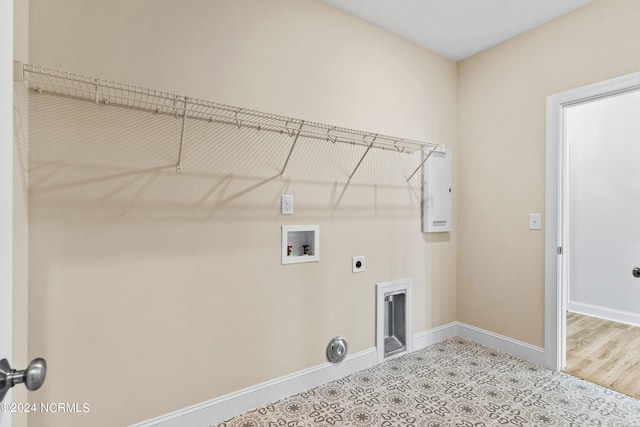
<point>456,383</point>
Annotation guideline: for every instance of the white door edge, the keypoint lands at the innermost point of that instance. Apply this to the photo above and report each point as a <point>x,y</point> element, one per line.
<point>6,191</point>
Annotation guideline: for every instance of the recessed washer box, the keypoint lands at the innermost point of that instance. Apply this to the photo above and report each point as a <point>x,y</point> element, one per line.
<point>300,243</point>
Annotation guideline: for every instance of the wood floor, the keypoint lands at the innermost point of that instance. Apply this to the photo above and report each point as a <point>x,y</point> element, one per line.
<point>604,352</point>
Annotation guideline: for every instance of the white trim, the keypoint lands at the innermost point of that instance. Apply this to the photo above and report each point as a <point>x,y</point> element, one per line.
<point>6,194</point>
<point>556,204</point>
<point>433,336</point>
<point>508,345</point>
<point>216,410</point>
<point>604,313</point>
<point>230,405</point>
<point>554,327</point>
<point>206,413</point>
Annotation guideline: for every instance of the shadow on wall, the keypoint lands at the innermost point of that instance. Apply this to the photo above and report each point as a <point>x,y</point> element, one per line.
<point>91,161</point>
<point>130,260</point>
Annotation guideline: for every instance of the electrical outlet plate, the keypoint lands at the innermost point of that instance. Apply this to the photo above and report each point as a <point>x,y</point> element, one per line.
<point>286,204</point>
<point>357,264</point>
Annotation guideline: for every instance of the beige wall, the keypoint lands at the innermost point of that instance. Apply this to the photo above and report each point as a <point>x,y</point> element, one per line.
<point>135,267</point>
<point>21,355</point>
<point>21,30</point>
<point>502,95</point>
<point>151,290</point>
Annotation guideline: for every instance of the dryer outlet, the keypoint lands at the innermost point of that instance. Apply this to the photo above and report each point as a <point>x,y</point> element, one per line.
<point>357,264</point>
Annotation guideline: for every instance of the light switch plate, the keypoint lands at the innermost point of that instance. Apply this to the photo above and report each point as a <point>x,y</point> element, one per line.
<point>535,221</point>
<point>287,204</point>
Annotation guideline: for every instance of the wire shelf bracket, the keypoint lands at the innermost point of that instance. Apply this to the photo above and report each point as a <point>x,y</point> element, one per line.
<point>364,155</point>
<point>421,163</point>
<point>101,91</point>
<point>295,140</point>
<point>184,123</point>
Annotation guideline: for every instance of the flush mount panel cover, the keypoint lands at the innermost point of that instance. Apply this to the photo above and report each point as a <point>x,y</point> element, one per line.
<point>436,192</point>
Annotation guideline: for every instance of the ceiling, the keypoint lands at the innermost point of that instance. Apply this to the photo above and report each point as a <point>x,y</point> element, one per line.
<point>457,29</point>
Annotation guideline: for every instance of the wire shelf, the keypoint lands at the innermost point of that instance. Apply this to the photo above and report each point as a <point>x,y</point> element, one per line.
<point>50,80</point>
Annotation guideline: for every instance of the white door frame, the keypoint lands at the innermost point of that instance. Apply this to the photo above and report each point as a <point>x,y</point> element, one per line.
<point>6,190</point>
<point>557,207</point>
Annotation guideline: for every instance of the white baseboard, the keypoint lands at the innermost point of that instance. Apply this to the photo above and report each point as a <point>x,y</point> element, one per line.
<point>435,335</point>
<point>500,342</point>
<point>216,410</point>
<point>604,313</point>
<point>206,413</point>
<point>213,411</point>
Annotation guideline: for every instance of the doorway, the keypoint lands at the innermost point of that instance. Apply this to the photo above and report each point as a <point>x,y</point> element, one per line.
<point>601,217</point>
<point>603,247</point>
<point>558,238</point>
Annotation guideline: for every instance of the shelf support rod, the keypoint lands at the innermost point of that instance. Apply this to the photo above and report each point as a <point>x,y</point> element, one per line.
<point>422,163</point>
<point>295,140</point>
<point>363,156</point>
<point>184,122</point>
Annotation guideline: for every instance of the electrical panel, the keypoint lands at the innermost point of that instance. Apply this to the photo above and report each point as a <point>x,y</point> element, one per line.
<point>436,192</point>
